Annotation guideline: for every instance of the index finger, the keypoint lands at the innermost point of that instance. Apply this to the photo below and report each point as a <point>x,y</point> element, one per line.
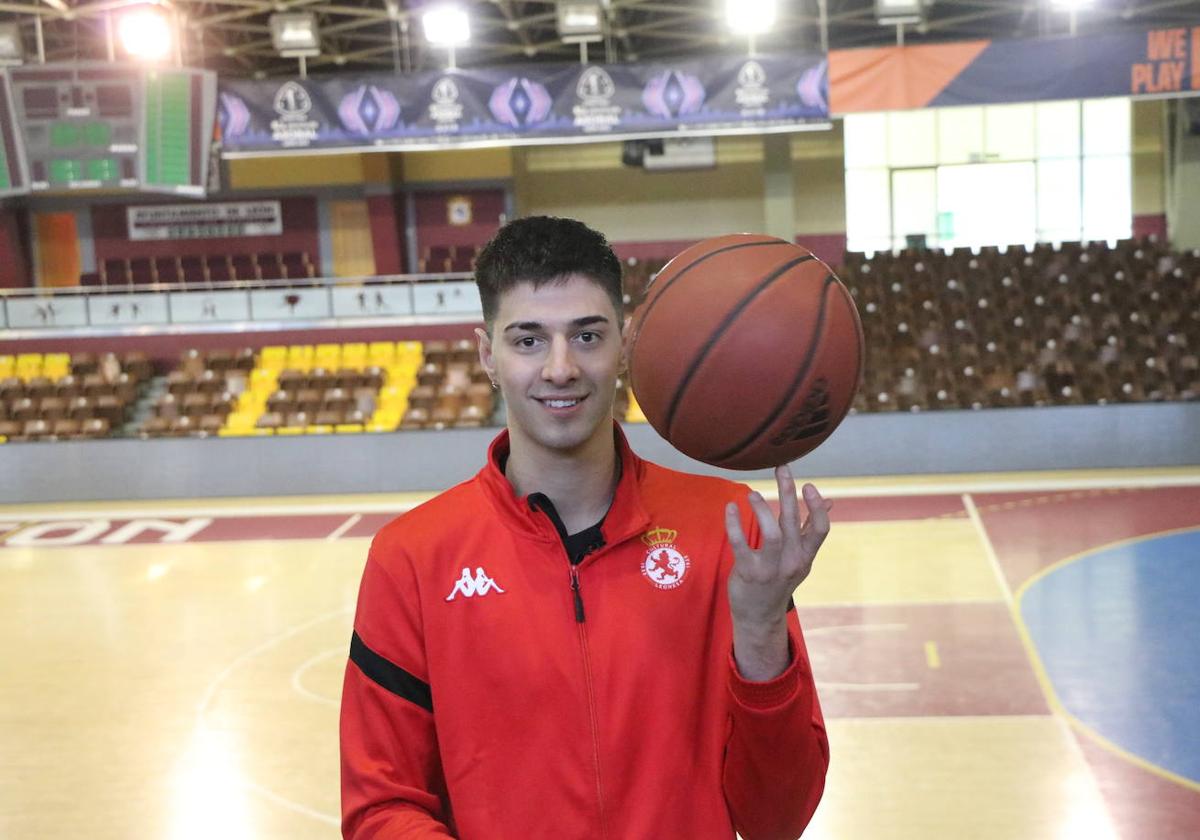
<point>733,529</point>
<point>789,505</point>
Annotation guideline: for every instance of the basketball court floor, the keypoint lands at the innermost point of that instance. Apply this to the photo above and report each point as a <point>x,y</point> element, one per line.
<point>998,656</point>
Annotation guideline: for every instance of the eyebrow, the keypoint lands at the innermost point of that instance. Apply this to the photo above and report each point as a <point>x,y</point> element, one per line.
<point>535,326</point>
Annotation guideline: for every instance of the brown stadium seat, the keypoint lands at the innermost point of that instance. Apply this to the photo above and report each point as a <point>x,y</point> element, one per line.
<point>298,418</point>
<point>23,409</point>
<point>415,418</point>
<point>443,417</point>
<point>10,429</point>
<point>431,373</point>
<point>292,380</point>
<point>64,429</point>
<point>11,388</point>
<point>309,400</point>
<point>39,387</point>
<point>337,399</point>
<point>95,427</point>
<point>52,408</point>
<point>473,416</point>
<point>108,407</point>
<point>210,424</point>
<point>195,404</point>
<point>283,402</point>
<point>155,427</point>
<point>183,426</point>
<point>423,396</point>
<point>35,429</point>
<point>328,417</point>
<point>270,420</point>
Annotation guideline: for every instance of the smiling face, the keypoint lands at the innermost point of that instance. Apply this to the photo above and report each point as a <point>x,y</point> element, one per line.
<point>555,351</point>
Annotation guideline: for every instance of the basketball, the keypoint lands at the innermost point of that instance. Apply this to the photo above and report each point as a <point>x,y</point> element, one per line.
<point>746,352</point>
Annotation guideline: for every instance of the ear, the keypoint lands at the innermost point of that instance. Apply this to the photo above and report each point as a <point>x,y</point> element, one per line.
<point>485,352</point>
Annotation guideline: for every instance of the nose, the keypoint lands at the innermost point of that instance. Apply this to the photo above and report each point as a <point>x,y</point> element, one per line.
<point>560,367</point>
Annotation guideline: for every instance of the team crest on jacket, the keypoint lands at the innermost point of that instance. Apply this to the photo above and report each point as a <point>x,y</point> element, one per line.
<point>664,566</point>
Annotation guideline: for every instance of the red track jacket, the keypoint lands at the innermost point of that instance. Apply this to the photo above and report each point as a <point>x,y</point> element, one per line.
<point>496,693</point>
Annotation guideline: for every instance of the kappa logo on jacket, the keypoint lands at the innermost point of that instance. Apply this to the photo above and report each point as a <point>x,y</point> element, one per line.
<point>664,565</point>
<point>469,586</point>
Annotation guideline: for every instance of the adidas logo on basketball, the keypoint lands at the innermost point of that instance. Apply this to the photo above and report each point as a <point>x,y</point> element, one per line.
<point>811,420</point>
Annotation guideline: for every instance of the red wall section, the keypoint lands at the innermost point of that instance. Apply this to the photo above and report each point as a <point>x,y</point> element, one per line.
<point>434,228</point>
<point>14,257</point>
<point>110,231</point>
<point>387,238</point>
<point>1153,224</point>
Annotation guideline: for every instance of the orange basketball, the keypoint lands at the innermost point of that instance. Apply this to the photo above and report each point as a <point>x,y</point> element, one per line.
<point>746,353</point>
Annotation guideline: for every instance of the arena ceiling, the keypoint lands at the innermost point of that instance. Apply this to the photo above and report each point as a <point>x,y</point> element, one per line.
<point>233,36</point>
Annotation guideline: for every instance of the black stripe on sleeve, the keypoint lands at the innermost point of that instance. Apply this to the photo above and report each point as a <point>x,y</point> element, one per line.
<point>389,675</point>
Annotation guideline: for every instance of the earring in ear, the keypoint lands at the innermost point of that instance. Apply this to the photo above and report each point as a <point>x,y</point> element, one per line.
<point>494,385</point>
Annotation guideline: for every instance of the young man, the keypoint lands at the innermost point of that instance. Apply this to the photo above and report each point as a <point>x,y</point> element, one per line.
<point>577,643</point>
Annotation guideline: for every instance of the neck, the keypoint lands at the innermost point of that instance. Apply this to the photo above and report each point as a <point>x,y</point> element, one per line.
<point>580,482</point>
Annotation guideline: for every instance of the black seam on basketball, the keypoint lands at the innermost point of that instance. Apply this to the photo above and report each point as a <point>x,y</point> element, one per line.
<point>725,324</point>
<point>797,380</point>
<point>652,302</point>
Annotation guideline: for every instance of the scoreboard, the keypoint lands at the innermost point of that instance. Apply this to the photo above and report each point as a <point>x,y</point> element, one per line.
<point>106,126</point>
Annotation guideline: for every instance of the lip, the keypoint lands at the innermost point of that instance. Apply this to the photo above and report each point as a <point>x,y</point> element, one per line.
<point>562,412</point>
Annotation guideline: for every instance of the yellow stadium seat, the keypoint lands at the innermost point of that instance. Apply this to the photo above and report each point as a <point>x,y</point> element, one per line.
<point>354,355</point>
<point>264,380</point>
<point>273,358</point>
<point>3,439</point>
<point>318,430</point>
<point>348,428</point>
<point>634,413</point>
<point>290,430</point>
<point>56,365</point>
<point>381,353</point>
<point>300,357</point>
<point>328,356</point>
<point>29,365</point>
<point>386,419</point>
<point>8,366</point>
<point>409,350</point>
<point>245,432</point>
<point>241,420</point>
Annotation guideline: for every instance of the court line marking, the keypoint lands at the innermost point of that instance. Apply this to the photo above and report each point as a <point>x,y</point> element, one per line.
<point>298,675</point>
<point>1055,707</point>
<point>344,527</point>
<point>768,488</point>
<point>932,658</point>
<point>213,687</point>
<point>1043,675</point>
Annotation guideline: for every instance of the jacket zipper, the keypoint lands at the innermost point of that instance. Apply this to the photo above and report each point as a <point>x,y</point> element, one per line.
<point>581,624</point>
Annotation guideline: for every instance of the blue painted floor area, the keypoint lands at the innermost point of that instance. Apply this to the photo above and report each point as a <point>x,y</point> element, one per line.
<point>1118,631</point>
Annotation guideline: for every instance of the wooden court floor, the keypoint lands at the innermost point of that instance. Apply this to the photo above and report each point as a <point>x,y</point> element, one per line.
<point>998,656</point>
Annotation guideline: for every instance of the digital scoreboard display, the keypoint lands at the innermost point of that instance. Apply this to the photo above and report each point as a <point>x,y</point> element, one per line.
<point>112,126</point>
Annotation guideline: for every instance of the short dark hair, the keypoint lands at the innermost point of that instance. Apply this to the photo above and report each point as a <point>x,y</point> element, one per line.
<point>541,250</point>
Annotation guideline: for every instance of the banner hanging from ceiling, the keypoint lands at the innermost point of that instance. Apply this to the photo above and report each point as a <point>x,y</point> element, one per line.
<point>541,103</point>
<point>1158,62</point>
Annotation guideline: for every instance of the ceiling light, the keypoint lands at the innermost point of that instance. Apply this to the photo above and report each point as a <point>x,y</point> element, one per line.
<point>145,33</point>
<point>446,26</point>
<point>296,34</point>
<point>580,20</point>
<point>895,12</point>
<point>750,17</point>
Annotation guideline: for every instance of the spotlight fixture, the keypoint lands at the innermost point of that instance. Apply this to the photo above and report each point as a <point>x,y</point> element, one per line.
<point>296,34</point>
<point>145,33</point>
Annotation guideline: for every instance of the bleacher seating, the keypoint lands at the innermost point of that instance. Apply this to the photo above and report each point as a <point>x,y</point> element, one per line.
<point>196,269</point>
<point>55,396</point>
<point>322,389</point>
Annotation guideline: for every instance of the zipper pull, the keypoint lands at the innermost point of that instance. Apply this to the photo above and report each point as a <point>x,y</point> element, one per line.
<point>578,597</point>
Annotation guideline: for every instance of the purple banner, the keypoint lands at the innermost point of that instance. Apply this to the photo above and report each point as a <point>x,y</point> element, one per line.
<point>530,103</point>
